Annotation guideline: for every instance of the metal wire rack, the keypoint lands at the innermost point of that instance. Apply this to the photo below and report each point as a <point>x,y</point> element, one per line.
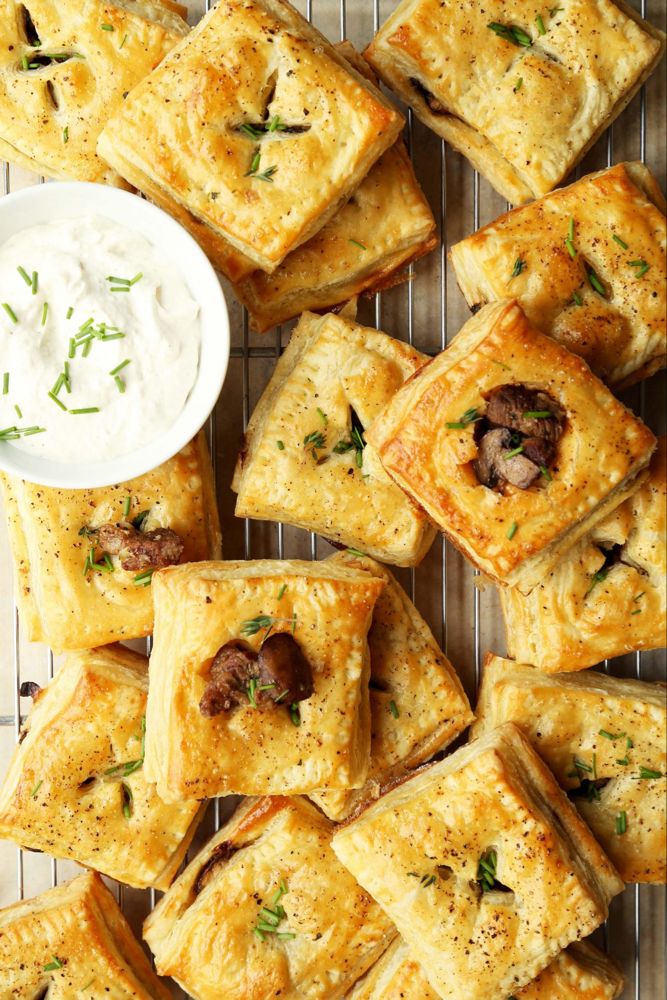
<point>427,310</point>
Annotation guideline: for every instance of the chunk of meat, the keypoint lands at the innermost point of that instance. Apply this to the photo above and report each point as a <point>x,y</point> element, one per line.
<point>283,665</point>
<point>507,406</point>
<point>434,105</point>
<point>493,465</point>
<point>141,550</point>
<point>233,668</point>
<point>29,689</point>
<point>220,855</point>
<point>539,450</point>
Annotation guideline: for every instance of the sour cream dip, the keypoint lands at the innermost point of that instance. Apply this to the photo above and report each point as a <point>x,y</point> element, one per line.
<point>99,340</point>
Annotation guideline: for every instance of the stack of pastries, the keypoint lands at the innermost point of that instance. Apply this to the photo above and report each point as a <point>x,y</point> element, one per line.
<point>366,860</point>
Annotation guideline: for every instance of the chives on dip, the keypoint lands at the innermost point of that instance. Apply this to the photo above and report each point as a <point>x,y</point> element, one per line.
<point>64,345</point>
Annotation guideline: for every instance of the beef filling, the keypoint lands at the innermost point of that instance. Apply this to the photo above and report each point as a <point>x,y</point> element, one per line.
<point>141,550</point>
<point>221,854</point>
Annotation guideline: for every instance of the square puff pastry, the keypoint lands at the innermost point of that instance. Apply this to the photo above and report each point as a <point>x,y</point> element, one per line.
<point>515,537</point>
<point>418,705</point>
<point>60,605</point>
<point>385,225</point>
<point>417,850</point>
<point>607,595</point>
<point>201,607</point>
<point>621,335</point>
<point>579,66</point>
<point>73,941</point>
<point>52,111</point>
<point>580,972</point>
<point>566,717</point>
<point>332,371</point>
<point>76,788</point>
<point>202,931</point>
<point>316,128</point>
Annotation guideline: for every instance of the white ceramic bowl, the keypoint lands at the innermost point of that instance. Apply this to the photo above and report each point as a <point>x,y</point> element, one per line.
<point>55,201</point>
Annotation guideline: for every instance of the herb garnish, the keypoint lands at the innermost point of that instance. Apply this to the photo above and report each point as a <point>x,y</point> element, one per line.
<point>519,266</point>
<point>323,417</point>
<point>518,85</point>
<point>569,241</point>
<point>469,417</point>
<point>577,299</point>
<point>37,787</point>
<point>595,282</point>
<point>127,799</point>
<point>515,451</point>
<point>5,383</point>
<point>486,870</point>
<point>143,579</point>
<point>356,552</point>
<point>256,174</point>
<point>621,822</point>
<point>540,25</point>
<point>617,239</point>
<point>648,774</point>
<point>254,625</point>
<point>12,433</point>
<point>598,577</point>
<point>66,135</point>
<point>512,530</point>
<point>270,917</point>
<point>54,964</point>
<point>107,27</point>
<point>280,445</point>
<point>394,709</point>
<point>281,592</point>
<point>45,312</point>
<point>313,441</point>
<point>425,880</point>
<point>610,736</point>
<point>295,714</point>
<point>510,33</point>
<point>641,267</point>
<point>24,274</point>
<point>358,244</point>
<point>10,312</point>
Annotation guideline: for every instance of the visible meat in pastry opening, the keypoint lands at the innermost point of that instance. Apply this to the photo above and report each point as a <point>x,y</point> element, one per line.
<point>138,550</point>
<point>278,674</point>
<point>516,436</point>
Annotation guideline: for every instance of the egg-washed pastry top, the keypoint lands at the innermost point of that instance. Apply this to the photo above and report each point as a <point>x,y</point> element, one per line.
<point>65,67</point>
<point>385,225</point>
<point>83,559</point>
<point>607,596</point>
<point>256,126</point>
<point>483,865</point>
<point>418,705</point>
<point>523,91</point>
<point>511,445</point>
<point>267,910</point>
<point>587,264</point>
<point>605,739</point>
<point>76,788</point>
<point>305,457</point>
<point>227,711</point>
<point>74,942</point>
<point>580,972</point>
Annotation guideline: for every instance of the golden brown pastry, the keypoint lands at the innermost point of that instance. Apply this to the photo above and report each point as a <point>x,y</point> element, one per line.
<point>305,459</point>
<point>222,718</point>
<point>592,269</point>
<point>65,67</point>
<point>483,865</point>
<point>511,445</point>
<point>256,126</point>
<point>385,225</point>
<point>76,787</point>
<point>580,972</point>
<point>523,93</point>
<point>605,739</point>
<point>606,596</point>
<point>71,601</point>
<point>418,705</point>
<point>267,910</point>
<point>73,942</point>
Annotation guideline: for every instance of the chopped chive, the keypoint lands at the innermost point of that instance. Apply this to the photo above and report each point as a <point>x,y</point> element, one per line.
<point>281,592</point>
<point>33,430</point>
<point>107,27</point>
<point>119,368</point>
<point>24,274</point>
<point>394,709</point>
<point>119,288</point>
<point>24,62</point>
<point>515,451</point>
<point>571,249</point>
<point>323,417</point>
<point>469,417</point>
<point>54,964</point>
<point>127,504</point>
<point>55,399</point>
<point>637,612</point>
<point>123,42</point>
<point>254,163</point>
<point>136,278</point>
<point>637,596</point>
<point>581,766</point>
<point>501,364</point>
<point>66,135</point>
<point>540,25</point>
<point>617,239</point>
<point>58,384</point>
<point>86,409</point>
<point>286,935</point>
<point>518,85</point>
<point>35,282</point>
<point>5,383</point>
<point>358,244</point>
<point>628,742</point>
<point>127,799</point>
<point>72,348</point>
<point>621,822</point>
<point>143,579</point>
<point>120,384</point>
<point>545,472</point>
<point>512,530</point>
<point>10,312</point>
<point>570,229</point>
<point>642,267</point>
<point>118,281</point>
<point>294,714</point>
<point>112,336</point>
<point>69,313</point>
<point>595,283</point>
<point>18,411</point>
<point>648,773</point>
<point>36,788</point>
<point>84,326</point>
<point>610,736</point>
<point>577,299</point>
<point>623,761</point>
<point>250,691</point>
<point>510,33</point>
<point>280,445</point>
<point>45,312</point>
<point>519,266</point>
<point>356,552</point>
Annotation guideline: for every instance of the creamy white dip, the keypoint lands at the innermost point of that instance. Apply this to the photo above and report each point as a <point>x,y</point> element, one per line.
<point>127,349</point>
